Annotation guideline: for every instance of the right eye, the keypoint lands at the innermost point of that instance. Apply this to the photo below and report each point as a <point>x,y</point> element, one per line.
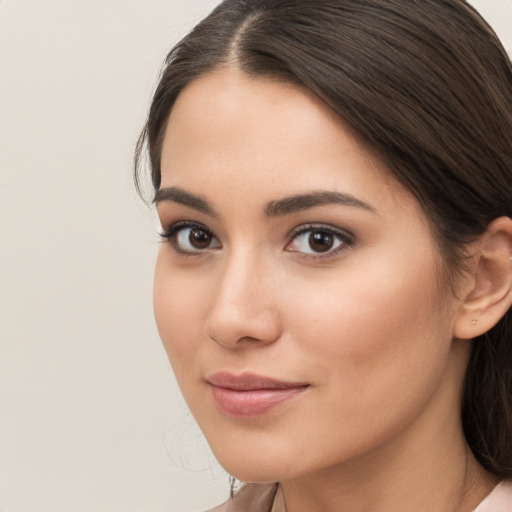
<point>187,238</point>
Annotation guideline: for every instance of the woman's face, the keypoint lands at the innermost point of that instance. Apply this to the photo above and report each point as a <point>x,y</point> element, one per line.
<point>297,289</point>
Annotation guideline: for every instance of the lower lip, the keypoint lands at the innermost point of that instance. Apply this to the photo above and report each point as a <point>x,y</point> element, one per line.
<point>252,403</point>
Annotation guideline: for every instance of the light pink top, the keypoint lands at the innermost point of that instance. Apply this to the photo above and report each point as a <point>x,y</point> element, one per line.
<point>259,498</point>
<point>500,499</point>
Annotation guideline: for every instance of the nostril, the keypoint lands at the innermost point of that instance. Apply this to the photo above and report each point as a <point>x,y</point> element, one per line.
<point>236,342</point>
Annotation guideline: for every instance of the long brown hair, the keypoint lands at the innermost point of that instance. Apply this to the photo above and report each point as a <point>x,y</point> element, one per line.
<point>427,85</point>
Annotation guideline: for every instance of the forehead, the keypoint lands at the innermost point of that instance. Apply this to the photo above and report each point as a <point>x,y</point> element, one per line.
<point>264,139</point>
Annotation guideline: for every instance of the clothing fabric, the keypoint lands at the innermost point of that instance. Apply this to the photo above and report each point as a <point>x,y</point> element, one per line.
<point>500,499</point>
<point>251,498</point>
<point>259,498</point>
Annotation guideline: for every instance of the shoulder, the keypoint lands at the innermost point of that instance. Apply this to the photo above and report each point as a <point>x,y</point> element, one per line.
<point>251,498</point>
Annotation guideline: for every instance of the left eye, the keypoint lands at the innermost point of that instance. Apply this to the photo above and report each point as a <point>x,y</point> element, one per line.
<point>317,241</point>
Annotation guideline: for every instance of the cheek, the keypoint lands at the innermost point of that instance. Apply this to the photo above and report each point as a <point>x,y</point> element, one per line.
<point>371,332</point>
<point>178,305</point>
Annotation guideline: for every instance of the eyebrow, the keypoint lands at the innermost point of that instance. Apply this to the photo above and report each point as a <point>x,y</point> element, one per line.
<point>276,208</point>
<point>178,195</point>
<point>305,201</point>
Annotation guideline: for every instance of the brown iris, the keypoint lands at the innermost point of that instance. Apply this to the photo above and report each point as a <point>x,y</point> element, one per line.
<point>321,241</point>
<point>199,238</point>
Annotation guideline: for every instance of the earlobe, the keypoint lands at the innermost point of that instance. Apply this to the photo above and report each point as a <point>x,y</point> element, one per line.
<point>490,295</point>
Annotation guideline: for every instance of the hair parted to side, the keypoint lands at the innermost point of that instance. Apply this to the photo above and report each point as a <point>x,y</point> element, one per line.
<point>427,86</point>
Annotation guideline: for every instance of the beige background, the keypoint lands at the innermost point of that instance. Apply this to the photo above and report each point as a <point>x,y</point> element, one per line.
<point>90,416</point>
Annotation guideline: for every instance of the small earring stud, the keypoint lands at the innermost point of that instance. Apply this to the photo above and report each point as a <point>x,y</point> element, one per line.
<point>473,322</point>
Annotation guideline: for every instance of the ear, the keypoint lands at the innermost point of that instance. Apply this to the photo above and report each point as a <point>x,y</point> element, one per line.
<point>488,292</point>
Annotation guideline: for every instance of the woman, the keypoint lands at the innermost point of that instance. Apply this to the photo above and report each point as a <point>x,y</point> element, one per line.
<point>334,184</point>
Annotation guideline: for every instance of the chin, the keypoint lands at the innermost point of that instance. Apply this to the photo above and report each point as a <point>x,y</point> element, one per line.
<point>257,473</point>
<point>264,467</point>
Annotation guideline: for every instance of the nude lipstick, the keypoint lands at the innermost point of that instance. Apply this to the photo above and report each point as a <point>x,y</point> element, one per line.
<point>250,395</point>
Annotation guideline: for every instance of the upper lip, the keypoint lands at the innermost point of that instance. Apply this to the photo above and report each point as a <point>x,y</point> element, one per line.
<point>249,381</point>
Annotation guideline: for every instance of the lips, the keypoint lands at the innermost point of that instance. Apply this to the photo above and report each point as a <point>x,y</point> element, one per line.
<point>249,395</point>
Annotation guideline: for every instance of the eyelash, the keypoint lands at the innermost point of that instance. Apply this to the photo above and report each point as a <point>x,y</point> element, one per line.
<point>345,239</point>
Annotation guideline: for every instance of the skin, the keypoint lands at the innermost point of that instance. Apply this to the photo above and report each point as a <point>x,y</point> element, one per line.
<point>367,325</point>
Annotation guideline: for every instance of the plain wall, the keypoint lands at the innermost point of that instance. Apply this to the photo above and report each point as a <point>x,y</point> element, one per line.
<point>90,416</point>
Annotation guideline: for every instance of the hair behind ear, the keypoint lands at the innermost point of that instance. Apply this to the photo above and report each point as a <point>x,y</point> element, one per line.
<point>487,399</point>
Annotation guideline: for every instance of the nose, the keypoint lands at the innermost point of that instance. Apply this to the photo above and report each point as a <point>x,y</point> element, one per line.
<point>244,305</point>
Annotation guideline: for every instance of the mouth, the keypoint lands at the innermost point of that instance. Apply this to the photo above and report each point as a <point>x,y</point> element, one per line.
<point>249,395</point>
